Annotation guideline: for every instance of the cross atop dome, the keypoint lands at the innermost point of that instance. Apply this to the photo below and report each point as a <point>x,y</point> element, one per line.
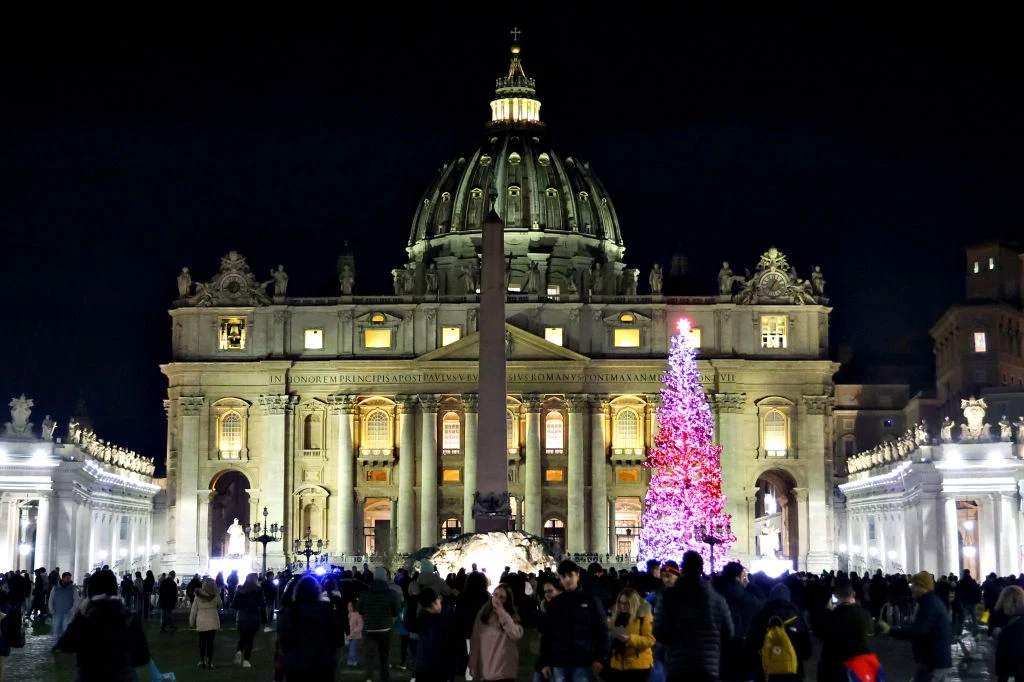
<point>515,102</point>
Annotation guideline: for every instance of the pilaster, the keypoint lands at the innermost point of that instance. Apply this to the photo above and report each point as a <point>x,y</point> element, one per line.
<point>186,533</point>
<point>576,531</point>
<point>469,460</point>
<point>534,491</point>
<point>598,475</point>
<point>341,409</point>
<point>276,409</point>
<point>428,471</point>
<point>406,475</point>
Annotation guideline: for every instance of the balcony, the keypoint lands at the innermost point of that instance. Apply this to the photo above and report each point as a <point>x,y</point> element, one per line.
<point>629,455</point>
<point>514,455</point>
<point>554,451</point>
<point>451,452</point>
<point>376,456</point>
<point>314,452</point>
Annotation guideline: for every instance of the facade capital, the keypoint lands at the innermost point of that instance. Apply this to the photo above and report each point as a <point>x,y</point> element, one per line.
<point>532,402</point>
<point>191,406</point>
<point>599,403</point>
<point>274,403</point>
<point>167,408</point>
<point>429,401</point>
<point>341,403</point>
<point>407,404</point>
<point>729,403</point>
<point>577,402</point>
<point>470,402</point>
<point>816,404</point>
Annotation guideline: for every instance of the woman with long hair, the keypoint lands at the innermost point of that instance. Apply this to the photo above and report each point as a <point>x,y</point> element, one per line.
<point>1010,634</point>
<point>248,605</point>
<point>205,618</point>
<point>548,588</point>
<point>493,650</point>
<point>632,636</point>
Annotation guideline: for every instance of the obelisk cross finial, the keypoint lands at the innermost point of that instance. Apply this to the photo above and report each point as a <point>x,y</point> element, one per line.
<point>515,34</point>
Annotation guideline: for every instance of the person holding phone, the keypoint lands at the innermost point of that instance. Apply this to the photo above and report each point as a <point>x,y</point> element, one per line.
<point>844,630</point>
<point>632,639</point>
<point>493,650</point>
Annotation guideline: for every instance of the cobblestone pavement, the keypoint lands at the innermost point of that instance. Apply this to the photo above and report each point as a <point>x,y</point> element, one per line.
<point>178,652</point>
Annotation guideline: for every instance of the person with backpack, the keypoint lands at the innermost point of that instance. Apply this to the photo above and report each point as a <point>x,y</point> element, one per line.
<point>844,629</point>
<point>632,638</point>
<point>779,639</point>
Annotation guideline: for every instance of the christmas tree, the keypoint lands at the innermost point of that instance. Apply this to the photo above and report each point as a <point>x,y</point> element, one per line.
<point>684,506</point>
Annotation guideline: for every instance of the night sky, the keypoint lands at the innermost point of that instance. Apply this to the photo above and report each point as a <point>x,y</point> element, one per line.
<point>876,146</point>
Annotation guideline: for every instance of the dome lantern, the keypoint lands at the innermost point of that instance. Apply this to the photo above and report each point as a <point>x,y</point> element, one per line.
<point>515,103</point>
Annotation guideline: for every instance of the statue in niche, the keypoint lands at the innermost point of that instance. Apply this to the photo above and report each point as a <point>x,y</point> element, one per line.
<point>818,281</point>
<point>430,278</point>
<point>184,283</point>
<point>946,430</point>
<point>508,273</point>
<point>655,279</point>
<point>530,284</point>
<point>280,279</point>
<point>347,279</point>
<point>570,280</point>
<point>236,539</point>
<point>597,279</point>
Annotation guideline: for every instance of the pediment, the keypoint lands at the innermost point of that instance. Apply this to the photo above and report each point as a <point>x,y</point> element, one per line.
<point>377,318</point>
<point>638,320</point>
<point>524,346</point>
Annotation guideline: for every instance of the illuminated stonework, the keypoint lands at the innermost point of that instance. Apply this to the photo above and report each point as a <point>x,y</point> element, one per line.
<point>516,102</point>
<point>492,552</point>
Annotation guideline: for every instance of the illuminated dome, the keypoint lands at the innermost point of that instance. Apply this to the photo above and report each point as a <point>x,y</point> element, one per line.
<point>559,220</point>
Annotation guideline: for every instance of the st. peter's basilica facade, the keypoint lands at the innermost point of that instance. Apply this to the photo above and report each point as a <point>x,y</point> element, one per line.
<point>355,416</point>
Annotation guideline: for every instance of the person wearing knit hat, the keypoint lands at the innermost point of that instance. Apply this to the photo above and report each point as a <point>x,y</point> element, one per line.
<point>670,573</point>
<point>930,634</point>
<point>780,609</point>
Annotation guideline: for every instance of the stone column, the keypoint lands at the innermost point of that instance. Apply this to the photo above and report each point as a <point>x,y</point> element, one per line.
<point>407,475</point>
<point>815,448</point>
<point>728,410</point>
<point>342,406</point>
<point>1008,534</point>
<point>951,538</point>
<point>42,548</point>
<point>598,476</point>
<point>428,471</point>
<point>520,506</point>
<point>392,530</point>
<point>186,547</point>
<point>613,541</point>
<point>205,497</point>
<point>83,545</point>
<point>988,538</point>
<point>358,520</point>
<point>803,523</point>
<point>273,483</point>
<point>576,530</point>
<point>534,504</point>
<point>469,406</point>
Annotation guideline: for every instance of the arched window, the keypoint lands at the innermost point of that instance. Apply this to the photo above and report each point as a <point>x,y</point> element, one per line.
<point>554,431</point>
<point>554,531</point>
<point>231,433</point>
<point>451,433</point>
<point>451,529</point>
<point>378,431</point>
<point>510,431</point>
<point>776,434</point>
<point>627,429</point>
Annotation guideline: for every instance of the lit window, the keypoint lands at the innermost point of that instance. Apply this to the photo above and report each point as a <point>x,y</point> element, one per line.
<point>979,342</point>
<point>977,269</point>
<point>693,336</point>
<point>377,338</point>
<point>554,475</point>
<point>510,431</point>
<point>513,191</point>
<point>553,291</point>
<point>628,475</point>
<point>553,335</point>
<point>627,429</point>
<point>627,338</point>
<point>314,339</point>
<point>450,335</point>
<point>451,529</point>
<point>626,317</point>
<point>377,476</point>
<point>377,318</point>
<point>991,263</point>
<point>446,196</point>
<point>476,193</point>
<point>553,431</point>
<point>231,433</point>
<point>232,333</point>
<point>378,431</point>
<point>552,192</point>
<point>451,475</point>
<point>584,196</point>
<point>450,432</point>
<point>776,437</point>
<point>773,331</point>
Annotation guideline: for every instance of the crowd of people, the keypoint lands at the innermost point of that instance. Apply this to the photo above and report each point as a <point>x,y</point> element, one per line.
<point>669,622</point>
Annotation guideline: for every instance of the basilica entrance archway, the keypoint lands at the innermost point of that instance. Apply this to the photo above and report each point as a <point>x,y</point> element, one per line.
<point>230,501</point>
<point>775,516</point>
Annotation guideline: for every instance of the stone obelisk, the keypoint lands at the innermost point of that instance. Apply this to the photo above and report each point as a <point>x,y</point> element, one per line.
<point>491,511</point>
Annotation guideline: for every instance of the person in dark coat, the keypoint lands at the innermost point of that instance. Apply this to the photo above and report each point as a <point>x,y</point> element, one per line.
<point>844,630</point>
<point>930,634</point>
<point>379,605</point>
<point>249,607</point>
<point>40,591</point>
<point>106,638</point>
<point>575,635</point>
<point>691,620</point>
<point>148,585</point>
<point>167,600</point>
<point>440,638</point>
<point>779,606</point>
<point>744,607</point>
<point>309,635</point>
<point>472,599</point>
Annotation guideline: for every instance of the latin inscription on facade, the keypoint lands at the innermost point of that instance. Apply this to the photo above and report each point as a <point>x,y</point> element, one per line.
<point>536,377</point>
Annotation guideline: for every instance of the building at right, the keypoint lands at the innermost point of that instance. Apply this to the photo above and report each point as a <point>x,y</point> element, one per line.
<point>942,491</point>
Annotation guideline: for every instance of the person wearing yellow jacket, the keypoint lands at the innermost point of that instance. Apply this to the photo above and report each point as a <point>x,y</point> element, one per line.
<point>632,637</point>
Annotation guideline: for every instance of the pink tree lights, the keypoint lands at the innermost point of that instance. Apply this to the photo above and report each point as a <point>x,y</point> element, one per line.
<point>684,505</point>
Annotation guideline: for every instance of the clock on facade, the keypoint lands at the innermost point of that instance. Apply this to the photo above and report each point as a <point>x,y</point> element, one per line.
<point>773,284</point>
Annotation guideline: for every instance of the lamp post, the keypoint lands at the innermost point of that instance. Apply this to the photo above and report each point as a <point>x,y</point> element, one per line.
<point>711,535</point>
<point>264,534</point>
<point>304,546</point>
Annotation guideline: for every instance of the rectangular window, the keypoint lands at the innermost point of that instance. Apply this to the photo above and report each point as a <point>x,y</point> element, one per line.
<point>377,476</point>
<point>377,338</point>
<point>627,338</point>
<point>553,335</point>
<point>554,475</point>
<point>991,263</point>
<point>232,333</point>
<point>450,335</point>
<point>314,339</point>
<point>979,342</point>
<point>773,331</point>
<point>693,336</point>
<point>451,476</point>
<point>553,291</point>
<point>628,475</point>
